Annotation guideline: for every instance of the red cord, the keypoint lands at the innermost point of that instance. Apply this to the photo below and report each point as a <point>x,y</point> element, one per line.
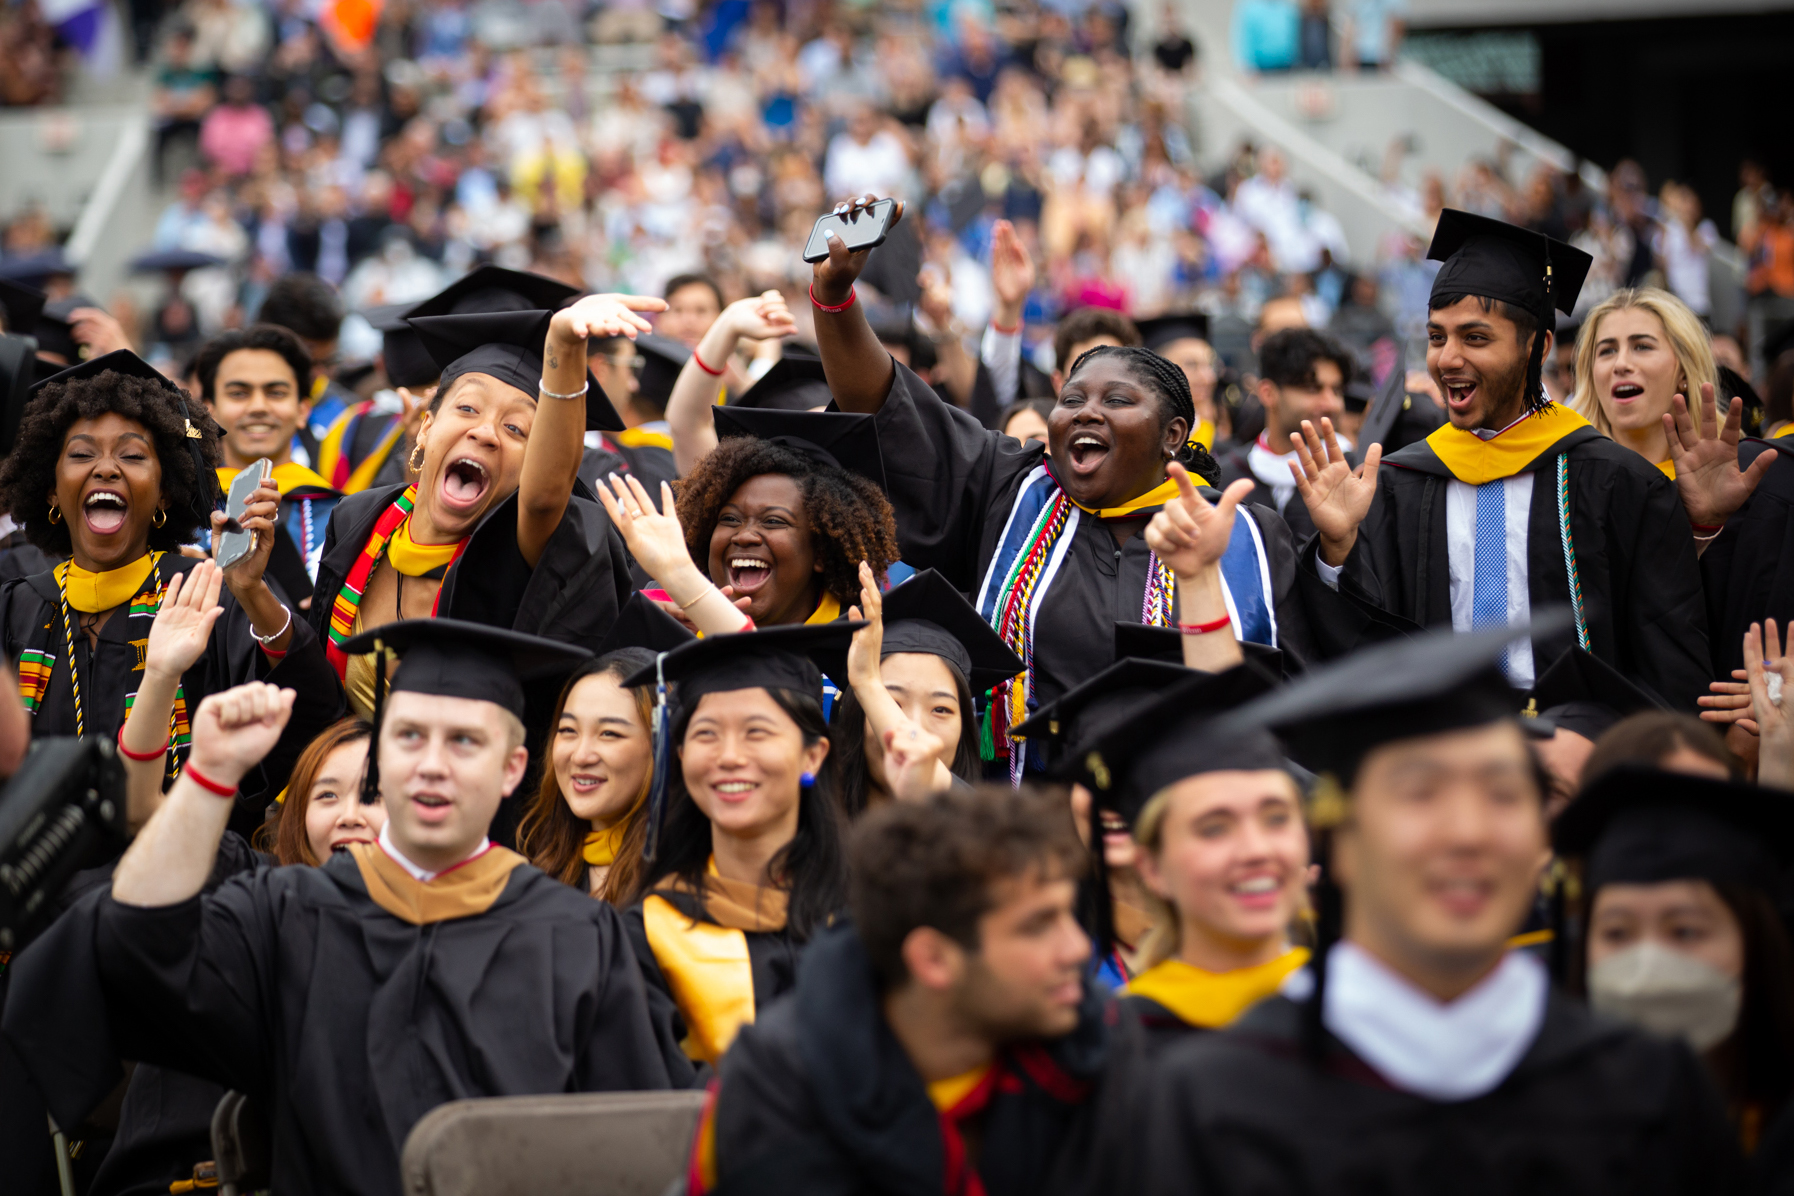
<point>1205,628</point>
<point>206,783</point>
<point>821,306</point>
<point>1002,331</point>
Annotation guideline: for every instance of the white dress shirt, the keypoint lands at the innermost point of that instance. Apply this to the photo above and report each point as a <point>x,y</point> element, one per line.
<point>426,877</point>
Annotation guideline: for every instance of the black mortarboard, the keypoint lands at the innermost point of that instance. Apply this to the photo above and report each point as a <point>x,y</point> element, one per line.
<point>1580,692</point>
<point>505,345</point>
<point>454,658</point>
<point>843,439</point>
<point>402,352</point>
<point>773,658</point>
<point>1496,260</point>
<point>1387,406</point>
<point>1181,732</point>
<point>1146,642</point>
<point>22,306</point>
<point>662,359</point>
<point>794,383</point>
<point>1097,703</point>
<point>1636,825</point>
<point>1434,682</point>
<point>494,289</point>
<point>36,268</point>
<point>173,259</point>
<point>123,361</point>
<point>53,330</point>
<point>642,624</point>
<point>1159,331</point>
<point>926,614</point>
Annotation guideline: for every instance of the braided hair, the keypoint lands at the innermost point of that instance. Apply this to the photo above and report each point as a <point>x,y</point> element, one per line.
<point>1168,381</point>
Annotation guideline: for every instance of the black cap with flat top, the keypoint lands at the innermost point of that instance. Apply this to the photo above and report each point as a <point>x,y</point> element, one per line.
<point>774,658</point>
<point>402,353</point>
<point>927,615</point>
<point>643,624</point>
<point>507,346</point>
<point>843,439</point>
<point>453,658</point>
<point>795,382</point>
<point>1117,692</point>
<point>1159,331</point>
<point>1146,642</point>
<point>1636,825</point>
<point>37,268</point>
<point>662,359</point>
<point>1580,692</point>
<point>177,261</point>
<point>55,331</point>
<point>21,306</point>
<point>488,289</point>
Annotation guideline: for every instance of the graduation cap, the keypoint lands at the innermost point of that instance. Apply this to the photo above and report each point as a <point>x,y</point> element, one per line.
<point>662,358</point>
<point>926,614</point>
<point>488,289</point>
<point>772,658</point>
<point>1387,407</point>
<point>175,260</point>
<point>1118,692</point>
<point>795,382</point>
<point>1146,642</point>
<point>37,268</point>
<point>55,332</point>
<point>453,658</point>
<point>1159,331</point>
<point>1496,260</point>
<point>843,439</point>
<point>504,345</point>
<point>1638,825</point>
<point>22,306</point>
<point>642,624</point>
<point>123,361</point>
<point>1732,385</point>
<point>1428,684</point>
<point>1580,692</point>
<point>402,351</point>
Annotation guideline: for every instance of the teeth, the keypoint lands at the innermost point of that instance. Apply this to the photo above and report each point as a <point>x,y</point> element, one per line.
<point>1258,884</point>
<point>1083,440</point>
<point>746,563</point>
<point>470,463</point>
<point>735,787</point>
<point>102,497</point>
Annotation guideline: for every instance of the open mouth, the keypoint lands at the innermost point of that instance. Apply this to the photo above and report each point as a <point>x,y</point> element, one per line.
<point>105,511</point>
<point>1463,897</point>
<point>585,783</point>
<point>749,573</point>
<point>257,430</point>
<point>464,483</point>
<point>1114,827</point>
<point>1625,392</point>
<point>1088,451</point>
<point>1460,395</point>
<point>735,791</point>
<point>431,807</point>
<point>342,843</point>
<point>1256,892</point>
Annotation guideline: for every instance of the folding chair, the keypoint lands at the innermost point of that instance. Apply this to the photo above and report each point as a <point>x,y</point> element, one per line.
<point>240,1146</point>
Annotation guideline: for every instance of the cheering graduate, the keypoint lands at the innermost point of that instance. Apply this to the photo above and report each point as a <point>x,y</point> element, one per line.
<point>1221,852</point>
<point>429,966</point>
<point>492,531</point>
<point>1749,567</point>
<point>1681,877</point>
<point>1051,545</point>
<point>323,811</point>
<point>1517,503</point>
<point>639,376</point>
<point>1420,1053</point>
<point>252,381</point>
<point>113,471</point>
<point>745,856</point>
<point>943,1042</point>
<point>913,671</point>
<point>700,382</point>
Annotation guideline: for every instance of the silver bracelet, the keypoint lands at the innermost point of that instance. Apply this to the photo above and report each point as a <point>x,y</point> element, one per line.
<point>265,640</point>
<point>578,394</point>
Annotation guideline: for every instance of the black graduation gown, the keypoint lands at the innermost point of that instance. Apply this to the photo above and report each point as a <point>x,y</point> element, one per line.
<point>1593,1107</point>
<point>572,595</point>
<point>652,464</point>
<point>31,620</point>
<point>1641,583</point>
<point>293,986</point>
<point>772,961</point>
<point>1749,569</point>
<point>287,560</point>
<point>952,483</point>
<point>819,1097</point>
<point>55,1017</point>
<point>1160,1027</point>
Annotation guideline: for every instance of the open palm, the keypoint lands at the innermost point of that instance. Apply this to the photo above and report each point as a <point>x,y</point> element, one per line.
<point>1338,497</point>
<point>1707,474</point>
<point>183,625</point>
<point>655,538</point>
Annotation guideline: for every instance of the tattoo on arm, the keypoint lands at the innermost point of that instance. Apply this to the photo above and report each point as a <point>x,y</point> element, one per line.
<point>554,361</point>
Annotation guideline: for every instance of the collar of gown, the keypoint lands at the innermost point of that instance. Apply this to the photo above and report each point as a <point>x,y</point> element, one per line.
<point>1449,1051</point>
<point>398,857</point>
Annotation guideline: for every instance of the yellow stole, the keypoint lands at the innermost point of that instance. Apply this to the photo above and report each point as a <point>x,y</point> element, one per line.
<point>1204,434</point>
<point>706,964</point>
<point>1213,999</point>
<point>91,593</point>
<point>944,1094</point>
<point>642,437</point>
<point>414,559</point>
<point>827,611</point>
<point>601,847</point>
<point>1474,461</point>
<point>1668,468</point>
<point>464,891</point>
<point>1158,496</point>
<point>288,477</point>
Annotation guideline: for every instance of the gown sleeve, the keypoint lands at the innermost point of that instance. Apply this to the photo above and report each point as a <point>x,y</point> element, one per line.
<point>663,1011</point>
<point>624,1043</point>
<point>1659,608</point>
<point>946,476</point>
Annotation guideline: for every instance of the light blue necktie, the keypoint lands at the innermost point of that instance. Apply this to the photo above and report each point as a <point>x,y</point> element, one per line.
<point>1488,601</point>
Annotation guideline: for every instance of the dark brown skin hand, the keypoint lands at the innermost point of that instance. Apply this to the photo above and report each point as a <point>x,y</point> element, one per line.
<point>858,368</point>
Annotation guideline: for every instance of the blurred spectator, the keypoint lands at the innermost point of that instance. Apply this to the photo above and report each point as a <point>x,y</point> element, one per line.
<point>1266,34</point>
<point>1684,244</point>
<point>1316,36</point>
<point>1174,51</point>
<point>1754,194</point>
<point>1373,32</point>
<point>233,134</point>
<point>183,94</point>
<point>1770,247</point>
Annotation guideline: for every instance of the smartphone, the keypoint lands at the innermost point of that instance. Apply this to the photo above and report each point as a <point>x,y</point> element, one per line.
<point>865,229</point>
<point>236,542</point>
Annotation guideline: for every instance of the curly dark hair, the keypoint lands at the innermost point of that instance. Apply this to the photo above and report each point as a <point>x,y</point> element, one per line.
<point>1172,385</point>
<point>29,472</point>
<point>849,515</point>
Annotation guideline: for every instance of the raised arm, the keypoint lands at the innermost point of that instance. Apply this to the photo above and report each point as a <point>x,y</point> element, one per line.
<point>911,777</point>
<point>1190,535</point>
<point>170,861</point>
<point>177,639</point>
<point>760,317</point>
<point>658,545</point>
<point>556,442</point>
<point>859,369</point>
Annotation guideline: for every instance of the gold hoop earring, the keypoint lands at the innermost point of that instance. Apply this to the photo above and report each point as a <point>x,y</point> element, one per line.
<point>414,460</point>
<point>55,514</point>
<point>159,518</point>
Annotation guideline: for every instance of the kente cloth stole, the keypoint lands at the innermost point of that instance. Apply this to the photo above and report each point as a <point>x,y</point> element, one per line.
<point>348,599</point>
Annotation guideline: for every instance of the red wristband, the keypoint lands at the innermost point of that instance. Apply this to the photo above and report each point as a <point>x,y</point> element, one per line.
<point>821,306</point>
<point>1205,628</point>
<point>1002,331</point>
<point>705,368</point>
<point>140,757</point>
<point>271,654</point>
<point>206,783</point>
<point>1706,527</point>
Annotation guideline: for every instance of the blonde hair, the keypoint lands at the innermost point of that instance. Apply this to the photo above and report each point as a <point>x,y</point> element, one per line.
<point>1688,340</point>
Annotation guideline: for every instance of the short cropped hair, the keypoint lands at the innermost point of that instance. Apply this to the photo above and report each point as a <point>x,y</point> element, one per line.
<point>305,304</point>
<point>1288,358</point>
<point>271,337</point>
<point>1085,324</point>
<point>679,282</point>
<point>938,863</point>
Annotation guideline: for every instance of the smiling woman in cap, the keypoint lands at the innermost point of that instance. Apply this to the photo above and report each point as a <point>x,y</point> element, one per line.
<point>490,531</point>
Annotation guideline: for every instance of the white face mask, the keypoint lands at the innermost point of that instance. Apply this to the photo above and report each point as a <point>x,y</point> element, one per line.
<point>1668,993</point>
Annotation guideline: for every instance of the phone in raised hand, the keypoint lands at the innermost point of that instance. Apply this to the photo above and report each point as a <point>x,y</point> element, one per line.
<point>236,541</point>
<point>862,229</point>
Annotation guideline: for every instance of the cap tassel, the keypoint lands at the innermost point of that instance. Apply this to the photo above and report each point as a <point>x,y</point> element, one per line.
<point>663,754</point>
<point>1536,398</point>
<point>1328,919</point>
<point>1099,907</point>
<point>370,777</point>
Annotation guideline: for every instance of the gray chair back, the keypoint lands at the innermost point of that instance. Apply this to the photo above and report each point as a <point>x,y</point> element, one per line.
<point>582,1144</point>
